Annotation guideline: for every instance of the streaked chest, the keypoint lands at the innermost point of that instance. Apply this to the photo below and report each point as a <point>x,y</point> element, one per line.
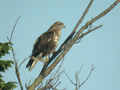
<point>56,36</point>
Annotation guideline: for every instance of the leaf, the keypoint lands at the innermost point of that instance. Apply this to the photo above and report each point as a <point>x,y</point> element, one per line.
<point>4,48</point>
<point>9,86</point>
<point>5,64</point>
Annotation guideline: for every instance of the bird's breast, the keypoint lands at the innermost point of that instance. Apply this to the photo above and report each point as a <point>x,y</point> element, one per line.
<point>57,36</point>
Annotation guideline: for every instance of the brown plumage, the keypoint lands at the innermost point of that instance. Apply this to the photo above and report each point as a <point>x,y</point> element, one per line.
<point>46,43</point>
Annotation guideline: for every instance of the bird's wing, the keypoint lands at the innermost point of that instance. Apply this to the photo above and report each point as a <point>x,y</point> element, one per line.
<point>42,43</point>
<point>41,46</point>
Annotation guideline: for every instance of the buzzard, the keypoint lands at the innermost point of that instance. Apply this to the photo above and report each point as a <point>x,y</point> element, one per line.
<point>46,44</point>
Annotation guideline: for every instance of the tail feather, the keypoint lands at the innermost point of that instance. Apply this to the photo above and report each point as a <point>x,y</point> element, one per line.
<point>32,62</point>
<point>29,63</point>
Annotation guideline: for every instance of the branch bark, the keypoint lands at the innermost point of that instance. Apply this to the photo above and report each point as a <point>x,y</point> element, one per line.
<point>70,36</point>
<point>67,45</point>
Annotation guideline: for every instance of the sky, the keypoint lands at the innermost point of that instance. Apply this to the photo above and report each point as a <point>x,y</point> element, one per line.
<point>100,48</point>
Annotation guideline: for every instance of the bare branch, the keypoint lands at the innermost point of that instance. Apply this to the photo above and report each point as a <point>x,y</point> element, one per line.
<point>10,39</point>
<point>69,78</point>
<point>13,55</point>
<point>106,11</point>
<point>87,32</point>
<point>54,79</point>
<point>77,83</point>
<point>70,36</point>
<point>23,61</point>
<point>67,46</point>
<point>80,70</point>
<point>83,15</point>
<point>58,69</point>
<point>77,80</point>
<point>17,70</point>
<point>92,69</point>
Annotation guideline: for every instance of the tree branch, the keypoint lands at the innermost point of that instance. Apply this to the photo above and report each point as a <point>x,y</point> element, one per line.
<point>69,37</point>
<point>17,70</point>
<point>68,45</point>
<point>23,61</point>
<point>13,55</point>
<point>71,81</point>
<point>10,39</point>
<point>92,69</point>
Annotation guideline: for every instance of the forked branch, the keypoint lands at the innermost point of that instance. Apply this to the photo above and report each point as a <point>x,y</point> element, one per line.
<point>70,41</point>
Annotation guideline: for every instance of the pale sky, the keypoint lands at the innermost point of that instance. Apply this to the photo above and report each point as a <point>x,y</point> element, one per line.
<point>100,48</point>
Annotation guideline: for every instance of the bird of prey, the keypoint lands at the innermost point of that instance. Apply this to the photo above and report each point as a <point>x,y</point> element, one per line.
<point>46,44</point>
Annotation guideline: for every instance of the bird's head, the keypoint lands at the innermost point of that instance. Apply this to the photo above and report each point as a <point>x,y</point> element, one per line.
<point>58,25</point>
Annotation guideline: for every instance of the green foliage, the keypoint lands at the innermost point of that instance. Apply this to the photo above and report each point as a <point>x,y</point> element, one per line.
<point>8,86</point>
<point>4,48</point>
<point>4,65</point>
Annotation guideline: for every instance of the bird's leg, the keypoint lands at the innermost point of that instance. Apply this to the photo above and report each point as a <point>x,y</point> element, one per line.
<point>40,58</point>
<point>47,58</point>
<point>43,60</point>
<point>34,58</point>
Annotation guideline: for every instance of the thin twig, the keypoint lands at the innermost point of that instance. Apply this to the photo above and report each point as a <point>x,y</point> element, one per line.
<point>106,11</point>
<point>23,61</point>
<point>69,37</point>
<point>71,43</point>
<point>47,71</point>
<point>57,84</point>
<point>76,79</point>
<point>17,70</point>
<point>10,39</point>
<point>80,70</point>
<point>69,78</point>
<point>89,31</point>
<point>13,55</point>
<point>83,15</point>
<point>92,69</point>
<point>58,69</point>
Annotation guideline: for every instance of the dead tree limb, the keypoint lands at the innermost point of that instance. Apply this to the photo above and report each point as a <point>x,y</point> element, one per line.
<point>70,36</point>
<point>68,45</point>
<point>82,83</point>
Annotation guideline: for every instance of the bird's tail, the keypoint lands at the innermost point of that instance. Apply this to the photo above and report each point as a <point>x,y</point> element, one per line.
<point>33,60</point>
<point>31,64</point>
